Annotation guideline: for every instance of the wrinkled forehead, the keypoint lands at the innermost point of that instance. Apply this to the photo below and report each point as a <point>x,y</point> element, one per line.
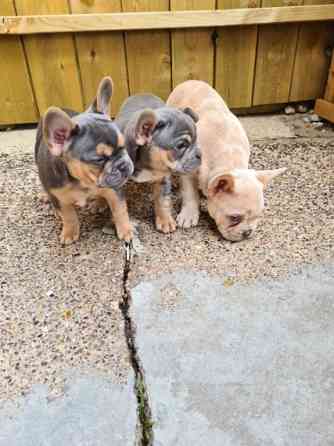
<point>247,198</point>
<point>97,128</point>
<point>179,122</point>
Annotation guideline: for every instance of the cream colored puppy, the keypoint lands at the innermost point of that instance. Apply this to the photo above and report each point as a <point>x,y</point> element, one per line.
<point>234,192</point>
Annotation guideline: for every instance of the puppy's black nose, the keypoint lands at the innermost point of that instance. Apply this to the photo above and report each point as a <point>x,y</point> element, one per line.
<point>247,234</point>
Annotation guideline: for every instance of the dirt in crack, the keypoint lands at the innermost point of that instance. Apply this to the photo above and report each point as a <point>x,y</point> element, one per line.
<point>143,407</point>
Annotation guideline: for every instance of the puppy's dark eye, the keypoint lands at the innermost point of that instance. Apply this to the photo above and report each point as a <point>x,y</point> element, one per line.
<point>160,125</point>
<point>182,145</point>
<point>235,219</point>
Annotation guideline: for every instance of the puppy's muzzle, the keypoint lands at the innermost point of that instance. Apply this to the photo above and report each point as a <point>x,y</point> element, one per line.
<point>116,173</point>
<point>190,161</point>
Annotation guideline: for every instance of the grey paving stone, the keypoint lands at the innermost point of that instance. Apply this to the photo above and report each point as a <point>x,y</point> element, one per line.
<point>94,411</point>
<point>238,365</point>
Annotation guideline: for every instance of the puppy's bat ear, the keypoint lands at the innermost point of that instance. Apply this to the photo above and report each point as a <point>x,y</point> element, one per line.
<point>265,176</point>
<point>101,103</point>
<point>223,183</point>
<point>190,112</point>
<point>58,130</point>
<point>144,127</point>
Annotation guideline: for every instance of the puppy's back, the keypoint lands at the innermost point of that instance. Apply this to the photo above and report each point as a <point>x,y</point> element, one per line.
<point>198,95</point>
<point>135,103</point>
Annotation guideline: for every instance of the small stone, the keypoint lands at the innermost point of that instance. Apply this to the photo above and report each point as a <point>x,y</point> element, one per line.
<point>137,246</point>
<point>301,108</point>
<point>67,314</point>
<point>315,118</point>
<point>108,229</point>
<point>306,119</point>
<point>228,282</point>
<point>318,125</point>
<point>289,110</point>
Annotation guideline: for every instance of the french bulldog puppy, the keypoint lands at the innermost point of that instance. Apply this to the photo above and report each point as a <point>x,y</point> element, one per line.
<point>81,156</point>
<point>160,141</point>
<point>234,192</point>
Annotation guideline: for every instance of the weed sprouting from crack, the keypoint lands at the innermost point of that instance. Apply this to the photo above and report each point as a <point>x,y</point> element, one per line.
<point>143,407</point>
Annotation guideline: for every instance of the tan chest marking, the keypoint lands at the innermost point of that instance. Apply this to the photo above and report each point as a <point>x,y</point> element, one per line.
<point>86,174</point>
<point>74,194</point>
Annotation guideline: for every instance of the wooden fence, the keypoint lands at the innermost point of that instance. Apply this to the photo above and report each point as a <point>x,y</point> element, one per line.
<point>253,57</point>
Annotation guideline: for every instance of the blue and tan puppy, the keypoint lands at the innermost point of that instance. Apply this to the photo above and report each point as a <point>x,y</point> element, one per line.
<point>161,141</point>
<point>81,156</point>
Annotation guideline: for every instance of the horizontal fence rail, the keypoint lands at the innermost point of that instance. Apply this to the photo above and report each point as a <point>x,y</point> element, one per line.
<point>258,54</point>
<point>42,24</point>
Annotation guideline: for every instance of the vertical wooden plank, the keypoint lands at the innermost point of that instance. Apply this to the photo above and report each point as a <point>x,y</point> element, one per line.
<point>52,59</point>
<point>275,58</point>
<point>148,53</point>
<point>235,58</point>
<point>329,93</point>
<point>314,38</point>
<point>17,101</point>
<point>101,54</point>
<point>192,51</point>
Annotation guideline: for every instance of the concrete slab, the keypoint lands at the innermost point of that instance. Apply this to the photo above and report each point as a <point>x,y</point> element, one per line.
<point>21,141</point>
<point>94,411</point>
<point>278,126</point>
<point>238,365</point>
<point>268,126</point>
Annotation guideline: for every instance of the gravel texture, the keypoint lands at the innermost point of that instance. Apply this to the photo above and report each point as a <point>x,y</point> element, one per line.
<point>297,227</point>
<point>58,306</point>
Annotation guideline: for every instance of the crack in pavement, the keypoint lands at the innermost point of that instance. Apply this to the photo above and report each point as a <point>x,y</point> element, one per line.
<point>143,406</point>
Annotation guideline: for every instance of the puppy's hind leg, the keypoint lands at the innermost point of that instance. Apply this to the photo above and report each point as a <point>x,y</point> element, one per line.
<point>189,214</point>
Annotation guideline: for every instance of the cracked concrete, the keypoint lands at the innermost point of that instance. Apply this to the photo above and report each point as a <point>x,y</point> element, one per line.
<point>63,349</point>
<point>238,365</point>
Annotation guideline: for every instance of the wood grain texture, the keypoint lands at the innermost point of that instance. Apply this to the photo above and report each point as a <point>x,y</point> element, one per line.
<point>313,40</point>
<point>101,54</point>
<point>192,50</point>
<point>325,109</point>
<point>52,60</point>
<point>148,53</point>
<point>275,58</point>
<point>17,101</point>
<point>329,92</point>
<point>37,24</point>
<point>235,58</point>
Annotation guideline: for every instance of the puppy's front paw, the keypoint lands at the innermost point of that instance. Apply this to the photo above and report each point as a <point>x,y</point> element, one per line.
<point>124,232</point>
<point>69,234</point>
<point>188,217</point>
<point>166,224</point>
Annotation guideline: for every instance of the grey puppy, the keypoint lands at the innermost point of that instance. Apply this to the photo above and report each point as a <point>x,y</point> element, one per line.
<point>161,141</point>
<point>81,156</point>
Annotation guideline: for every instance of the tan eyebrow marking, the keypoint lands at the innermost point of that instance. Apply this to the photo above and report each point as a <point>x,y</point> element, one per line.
<point>120,140</point>
<point>104,149</point>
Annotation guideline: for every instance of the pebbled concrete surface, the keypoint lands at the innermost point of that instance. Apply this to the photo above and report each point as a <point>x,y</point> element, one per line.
<point>93,411</point>
<point>64,365</point>
<point>296,228</point>
<point>238,365</point>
